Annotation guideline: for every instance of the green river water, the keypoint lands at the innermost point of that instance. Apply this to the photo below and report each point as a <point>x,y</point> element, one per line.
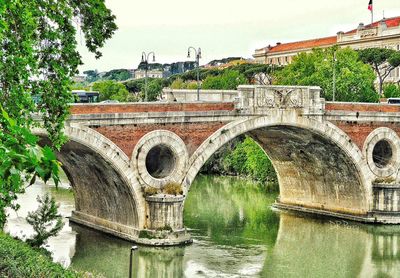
<point>235,233</point>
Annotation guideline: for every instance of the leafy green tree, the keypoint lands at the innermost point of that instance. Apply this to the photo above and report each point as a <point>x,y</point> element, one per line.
<point>391,90</point>
<point>229,80</point>
<point>382,60</point>
<point>111,90</point>
<point>118,75</point>
<point>46,221</point>
<point>354,79</point>
<point>38,58</point>
<point>91,75</point>
<point>154,88</point>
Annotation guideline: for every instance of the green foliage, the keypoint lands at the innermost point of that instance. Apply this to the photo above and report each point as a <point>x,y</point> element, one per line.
<point>112,90</point>
<point>154,87</point>
<point>180,84</point>
<point>249,159</point>
<point>91,75</point>
<point>118,75</point>
<point>243,157</point>
<point>38,58</point>
<point>46,221</point>
<point>21,162</point>
<point>391,90</point>
<point>173,188</point>
<point>382,60</point>
<point>229,80</point>
<point>354,79</point>
<point>18,259</point>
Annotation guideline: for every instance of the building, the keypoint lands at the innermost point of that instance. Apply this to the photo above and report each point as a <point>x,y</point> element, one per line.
<point>384,33</point>
<point>154,73</point>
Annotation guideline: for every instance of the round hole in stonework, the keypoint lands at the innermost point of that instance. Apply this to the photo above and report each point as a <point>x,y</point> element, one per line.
<point>382,153</point>
<point>160,161</point>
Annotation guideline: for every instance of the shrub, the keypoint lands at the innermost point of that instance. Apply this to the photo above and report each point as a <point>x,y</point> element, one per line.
<point>173,188</point>
<point>18,259</point>
<point>391,90</point>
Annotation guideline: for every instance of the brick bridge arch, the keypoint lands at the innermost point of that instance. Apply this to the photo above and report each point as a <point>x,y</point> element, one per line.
<point>317,164</point>
<point>107,196</point>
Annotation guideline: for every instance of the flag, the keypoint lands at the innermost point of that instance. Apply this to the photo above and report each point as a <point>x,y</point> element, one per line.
<point>370,5</point>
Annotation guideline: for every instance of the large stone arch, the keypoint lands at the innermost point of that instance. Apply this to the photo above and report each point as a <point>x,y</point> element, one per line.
<point>107,196</point>
<point>337,181</point>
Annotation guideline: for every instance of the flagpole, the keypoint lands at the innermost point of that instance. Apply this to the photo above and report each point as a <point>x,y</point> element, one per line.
<point>372,14</point>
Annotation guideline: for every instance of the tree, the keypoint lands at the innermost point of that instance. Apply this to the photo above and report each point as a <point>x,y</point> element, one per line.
<point>229,80</point>
<point>391,90</point>
<point>91,75</point>
<point>354,79</point>
<point>46,221</point>
<point>382,60</point>
<point>38,58</point>
<point>111,90</point>
<point>118,75</point>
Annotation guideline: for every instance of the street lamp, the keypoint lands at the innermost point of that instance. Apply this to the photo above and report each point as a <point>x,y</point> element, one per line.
<point>145,59</point>
<point>197,53</point>
<point>133,248</point>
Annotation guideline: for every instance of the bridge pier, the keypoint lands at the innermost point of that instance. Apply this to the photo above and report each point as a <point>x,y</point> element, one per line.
<point>164,221</point>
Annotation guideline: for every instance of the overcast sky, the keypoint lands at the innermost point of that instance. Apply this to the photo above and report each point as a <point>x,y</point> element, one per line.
<point>223,28</point>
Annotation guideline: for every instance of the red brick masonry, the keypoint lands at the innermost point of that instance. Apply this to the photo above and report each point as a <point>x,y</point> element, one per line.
<point>126,137</point>
<point>157,107</point>
<point>362,107</point>
<point>357,131</point>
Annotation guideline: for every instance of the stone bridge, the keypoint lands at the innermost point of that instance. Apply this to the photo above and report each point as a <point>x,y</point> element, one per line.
<point>335,159</point>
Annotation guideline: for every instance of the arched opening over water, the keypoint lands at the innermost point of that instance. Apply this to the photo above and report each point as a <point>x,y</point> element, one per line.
<point>316,165</point>
<point>100,190</point>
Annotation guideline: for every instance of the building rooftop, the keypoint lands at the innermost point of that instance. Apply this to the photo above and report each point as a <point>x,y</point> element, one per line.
<point>320,42</point>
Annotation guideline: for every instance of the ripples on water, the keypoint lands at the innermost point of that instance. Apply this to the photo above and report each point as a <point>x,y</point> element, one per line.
<point>235,233</point>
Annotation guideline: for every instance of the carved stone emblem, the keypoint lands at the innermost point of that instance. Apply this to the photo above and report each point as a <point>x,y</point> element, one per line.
<point>279,98</point>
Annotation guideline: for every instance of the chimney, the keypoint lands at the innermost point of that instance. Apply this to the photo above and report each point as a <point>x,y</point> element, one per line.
<point>339,36</point>
<point>278,43</point>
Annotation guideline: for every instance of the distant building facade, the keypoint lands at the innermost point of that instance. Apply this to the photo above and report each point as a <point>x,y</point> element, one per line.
<point>155,73</point>
<point>384,34</point>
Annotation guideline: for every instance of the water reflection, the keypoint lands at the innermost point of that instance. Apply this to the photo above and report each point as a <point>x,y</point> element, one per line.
<point>236,234</point>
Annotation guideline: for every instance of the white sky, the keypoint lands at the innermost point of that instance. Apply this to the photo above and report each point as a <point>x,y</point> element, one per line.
<point>223,28</point>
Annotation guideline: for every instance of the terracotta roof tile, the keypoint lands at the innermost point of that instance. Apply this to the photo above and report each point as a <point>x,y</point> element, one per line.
<point>304,44</point>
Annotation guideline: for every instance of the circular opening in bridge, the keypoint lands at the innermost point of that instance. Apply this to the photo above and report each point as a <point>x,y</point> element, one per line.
<point>382,153</point>
<point>160,161</point>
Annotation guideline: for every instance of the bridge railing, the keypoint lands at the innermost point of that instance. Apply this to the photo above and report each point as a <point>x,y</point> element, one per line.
<point>183,95</point>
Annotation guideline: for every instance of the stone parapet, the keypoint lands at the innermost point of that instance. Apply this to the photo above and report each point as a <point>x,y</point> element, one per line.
<point>175,95</point>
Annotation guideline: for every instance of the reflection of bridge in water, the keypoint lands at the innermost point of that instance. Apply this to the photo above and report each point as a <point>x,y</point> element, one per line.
<point>335,159</point>
<point>304,248</point>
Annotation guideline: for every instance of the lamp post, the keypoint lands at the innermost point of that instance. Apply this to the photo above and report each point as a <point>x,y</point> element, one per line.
<point>133,248</point>
<point>145,59</point>
<point>197,53</point>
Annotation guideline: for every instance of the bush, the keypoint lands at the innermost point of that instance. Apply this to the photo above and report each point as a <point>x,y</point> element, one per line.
<point>173,188</point>
<point>18,259</point>
<point>391,90</point>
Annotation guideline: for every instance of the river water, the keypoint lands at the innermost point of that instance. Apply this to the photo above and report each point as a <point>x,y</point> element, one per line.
<point>235,233</point>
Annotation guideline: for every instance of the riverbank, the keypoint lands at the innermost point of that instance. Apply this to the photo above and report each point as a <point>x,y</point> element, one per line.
<point>18,259</point>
